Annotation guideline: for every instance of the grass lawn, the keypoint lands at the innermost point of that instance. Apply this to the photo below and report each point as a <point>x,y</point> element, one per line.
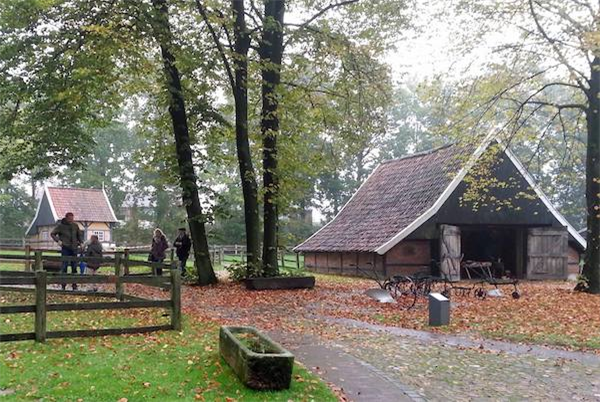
<point>163,366</point>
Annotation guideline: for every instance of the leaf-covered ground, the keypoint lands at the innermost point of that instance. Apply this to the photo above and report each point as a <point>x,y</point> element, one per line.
<point>163,366</point>
<point>547,312</point>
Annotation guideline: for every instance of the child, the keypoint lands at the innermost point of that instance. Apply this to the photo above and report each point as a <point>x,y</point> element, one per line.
<point>93,250</point>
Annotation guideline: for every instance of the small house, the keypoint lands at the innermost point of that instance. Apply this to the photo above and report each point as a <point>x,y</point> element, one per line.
<point>414,215</point>
<point>91,208</point>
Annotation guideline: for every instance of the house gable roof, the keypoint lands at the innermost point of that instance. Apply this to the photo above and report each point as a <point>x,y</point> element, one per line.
<point>400,196</point>
<point>88,205</point>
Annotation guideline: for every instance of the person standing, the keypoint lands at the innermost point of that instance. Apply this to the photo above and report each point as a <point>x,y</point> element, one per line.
<point>93,250</point>
<point>159,248</point>
<point>182,245</point>
<point>69,237</point>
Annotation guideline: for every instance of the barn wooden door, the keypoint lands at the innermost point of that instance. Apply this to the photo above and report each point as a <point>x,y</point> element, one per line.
<point>547,253</point>
<point>450,255</point>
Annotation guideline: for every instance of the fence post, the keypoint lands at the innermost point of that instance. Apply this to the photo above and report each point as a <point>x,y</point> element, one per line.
<point>27,258</point>
<point>118,283</point>
<point>38,261</point>
<point>126,261</point>
<point>282,257</point>
<point>40,306</point>
<point>172,254</point>
<point>175,299</point>
<point>298,261</point>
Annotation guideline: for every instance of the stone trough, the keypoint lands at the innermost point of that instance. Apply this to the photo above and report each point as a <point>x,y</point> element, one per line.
<point>281,282</point>
<point>259,362</point>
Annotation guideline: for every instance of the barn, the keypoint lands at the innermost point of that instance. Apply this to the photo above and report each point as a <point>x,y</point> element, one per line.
<point>91,207</point>
<point>415,214</point>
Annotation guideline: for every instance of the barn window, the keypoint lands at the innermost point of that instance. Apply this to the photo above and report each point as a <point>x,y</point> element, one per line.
<point>99,233</point>
<point>45,235</point>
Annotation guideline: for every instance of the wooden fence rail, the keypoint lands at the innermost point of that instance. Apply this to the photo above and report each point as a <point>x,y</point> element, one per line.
<point>219,254</point>
<point>40,279</point>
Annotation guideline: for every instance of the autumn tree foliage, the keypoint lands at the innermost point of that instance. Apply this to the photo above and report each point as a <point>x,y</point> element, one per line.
<point>70,66</point>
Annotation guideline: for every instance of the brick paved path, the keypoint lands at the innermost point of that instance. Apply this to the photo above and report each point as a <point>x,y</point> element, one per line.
<point>450,368</point>
<point>360,381</point>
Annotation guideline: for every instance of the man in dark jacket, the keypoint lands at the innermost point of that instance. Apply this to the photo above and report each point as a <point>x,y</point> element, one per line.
<point>69,237</point>
<point>182,244</point>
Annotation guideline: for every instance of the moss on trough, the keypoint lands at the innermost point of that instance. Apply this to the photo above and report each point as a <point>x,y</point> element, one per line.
<point>259,362</point>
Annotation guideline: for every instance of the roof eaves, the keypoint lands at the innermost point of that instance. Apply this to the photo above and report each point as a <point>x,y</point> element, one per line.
<point>54,214</point>
<point>37,213</point>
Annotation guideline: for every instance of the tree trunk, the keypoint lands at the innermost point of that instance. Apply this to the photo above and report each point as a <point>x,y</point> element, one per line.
<point>591,269</point>
<point>271,52</point>
<point>247,174</point>
<point>188,179</point>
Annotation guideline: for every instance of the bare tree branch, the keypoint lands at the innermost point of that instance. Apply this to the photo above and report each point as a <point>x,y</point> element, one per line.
<point>318,14</point>
<point>215,37</point>
<point>552,43</point>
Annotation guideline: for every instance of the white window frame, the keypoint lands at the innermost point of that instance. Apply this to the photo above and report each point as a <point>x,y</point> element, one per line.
<point>45,235</point>
<point>99,233</point>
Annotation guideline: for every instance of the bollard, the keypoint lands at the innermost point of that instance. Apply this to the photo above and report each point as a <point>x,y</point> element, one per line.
<point>439,310</point>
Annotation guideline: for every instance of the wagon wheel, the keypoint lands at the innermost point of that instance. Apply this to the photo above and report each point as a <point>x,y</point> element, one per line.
<point>515,294</point>
<point>406,300</point>
<point>427,287</point>
<point>405,293</point>
<point>480,293</point>
<point>390,286</point>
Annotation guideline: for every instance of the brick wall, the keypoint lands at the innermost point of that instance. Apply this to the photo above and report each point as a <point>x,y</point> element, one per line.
<point>344,263</point>
<point>408,257</point>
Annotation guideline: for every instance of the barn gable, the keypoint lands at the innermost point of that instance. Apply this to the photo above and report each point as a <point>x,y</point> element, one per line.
<point>403,195</point>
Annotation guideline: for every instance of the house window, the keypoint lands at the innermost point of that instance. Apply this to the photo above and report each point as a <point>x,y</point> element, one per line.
<point>99,233</point>
<point>45,235</point>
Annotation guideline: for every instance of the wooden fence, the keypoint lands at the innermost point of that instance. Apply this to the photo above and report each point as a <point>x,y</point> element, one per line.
<point>39,280</point>
<point>219,254</point>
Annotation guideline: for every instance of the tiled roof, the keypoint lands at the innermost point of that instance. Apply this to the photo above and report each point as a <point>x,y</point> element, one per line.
<point>395,195</point>
<point>88,205</point>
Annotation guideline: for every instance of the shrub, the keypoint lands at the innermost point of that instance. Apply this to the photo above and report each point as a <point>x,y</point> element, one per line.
<point>239,271</point>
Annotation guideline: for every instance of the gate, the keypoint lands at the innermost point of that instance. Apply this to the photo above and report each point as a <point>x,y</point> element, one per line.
<point>547,253</point>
